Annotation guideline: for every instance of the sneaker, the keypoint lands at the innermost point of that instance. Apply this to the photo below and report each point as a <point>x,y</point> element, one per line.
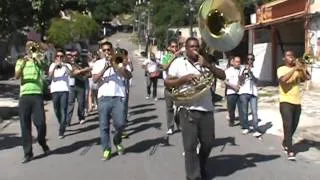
<point>183,153</point>
<point>46,150</point>
<point>120,149</point>
<point>156,99</point>
<point>256,134</point>
<point>245,131</point>
<point>147,97</point>
<point>106,155</point>
<point>291,156</point>
<point>124,136</point>
<point>170,132</point>
<point>60,136</point>
<point>82,121</point>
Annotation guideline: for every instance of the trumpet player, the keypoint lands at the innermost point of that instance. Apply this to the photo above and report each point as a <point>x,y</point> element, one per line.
<point>248,94</point>
<point>59,73</point>
<point>233,85</point>
<point>31,107</point>
<point>78,86</point>
<point>290,75</point>
<point>110,74</point>
<point>196,117</point>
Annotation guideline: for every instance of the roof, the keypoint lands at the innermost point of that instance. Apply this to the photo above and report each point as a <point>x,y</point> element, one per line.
<point>277,20</point>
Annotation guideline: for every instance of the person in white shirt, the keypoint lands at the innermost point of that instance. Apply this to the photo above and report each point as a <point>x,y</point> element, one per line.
<point>232,83</point>
<point>196,117</point>
<point>152,68</point>
<point>59,73</point>
<point>248,94</point>
<point>110,76</point>
<point>92,95</point>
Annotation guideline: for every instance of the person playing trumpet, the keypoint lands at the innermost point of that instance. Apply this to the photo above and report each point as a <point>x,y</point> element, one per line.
<point>30,70</point>
<point>196,117</point>
<point>290,75</point>
<point>110,74</point>
<point>248,94</point>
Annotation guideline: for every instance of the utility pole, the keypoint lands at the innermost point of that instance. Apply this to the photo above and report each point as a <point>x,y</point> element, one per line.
<point>191,17</point>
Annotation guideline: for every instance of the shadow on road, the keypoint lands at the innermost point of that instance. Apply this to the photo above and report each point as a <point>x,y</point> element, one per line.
<point>7,113</point>
<point>9,91</point>
<point>304,145</point>
<point>141,106</point>
<point>141,120</point>
<point>145,145</point>
<point>143,127</point>
<point>142,111</point>
<point>84,129</point>
<point>225,165</point>
<point>8,141</point>
<point>76,146</point>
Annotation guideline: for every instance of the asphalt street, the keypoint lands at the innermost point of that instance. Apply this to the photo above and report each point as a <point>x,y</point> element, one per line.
<point>77,156</point>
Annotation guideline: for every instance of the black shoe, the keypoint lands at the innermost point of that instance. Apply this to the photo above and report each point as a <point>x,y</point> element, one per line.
<point>46,150</point>
<point>27,159</point>
<point>231,124</point>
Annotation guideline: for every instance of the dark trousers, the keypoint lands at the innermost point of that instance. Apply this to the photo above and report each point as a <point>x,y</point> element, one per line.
<point>171,116</point>
<point>78,93</point>
<point>197,126</point>
<point>60,105</point>
<point>154,83</point>
<point>290,114</point>
<point>233,100</point>
<point>32,107</point>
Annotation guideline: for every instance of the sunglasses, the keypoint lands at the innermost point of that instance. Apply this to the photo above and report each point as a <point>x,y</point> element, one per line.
<point>104,50</point>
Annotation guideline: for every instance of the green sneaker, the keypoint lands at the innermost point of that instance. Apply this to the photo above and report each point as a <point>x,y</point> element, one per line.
<point>120,149</point>
<point>124,136</point>
<point>106,155</point>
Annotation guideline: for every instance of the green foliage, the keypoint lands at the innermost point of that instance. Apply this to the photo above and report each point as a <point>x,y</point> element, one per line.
<point>62,32</point>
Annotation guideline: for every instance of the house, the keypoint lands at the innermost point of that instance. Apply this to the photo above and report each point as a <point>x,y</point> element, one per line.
<point>284,25</point>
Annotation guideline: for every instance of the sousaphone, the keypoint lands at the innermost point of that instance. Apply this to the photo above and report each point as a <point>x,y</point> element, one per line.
<point>221,28</point>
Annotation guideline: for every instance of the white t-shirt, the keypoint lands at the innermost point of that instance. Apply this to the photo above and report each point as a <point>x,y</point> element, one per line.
<point>181,67</point>
<point>60,78</point>
<point>113,83</point>
<point>249,86</point>
<point>152,66</point>
<point>232,75</point>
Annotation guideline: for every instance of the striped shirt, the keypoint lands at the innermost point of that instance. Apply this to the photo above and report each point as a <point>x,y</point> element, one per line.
<point>31,77</point>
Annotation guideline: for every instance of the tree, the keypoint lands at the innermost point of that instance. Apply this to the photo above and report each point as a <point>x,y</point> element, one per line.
<point>166,14</point>
<point>62,32</point>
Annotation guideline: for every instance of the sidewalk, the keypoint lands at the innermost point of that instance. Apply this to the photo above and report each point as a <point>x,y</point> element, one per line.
<point>268,112</point>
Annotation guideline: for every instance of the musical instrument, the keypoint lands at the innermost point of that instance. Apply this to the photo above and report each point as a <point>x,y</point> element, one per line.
<point>82,76</point>
<point>35,51</point>
<point>220,23</point>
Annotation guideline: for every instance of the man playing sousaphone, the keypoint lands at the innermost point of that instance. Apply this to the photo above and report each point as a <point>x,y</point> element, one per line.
<point>196,116</point>
<point>290,75</point>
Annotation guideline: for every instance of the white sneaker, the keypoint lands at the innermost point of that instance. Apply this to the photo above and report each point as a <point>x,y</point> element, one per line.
<point>147,97</point>
<point>183,153</point>
<point>156,99</point>
<point>170,132</point>
<point>256,134</point>
<point>245,131</point>
<point>82,121</point>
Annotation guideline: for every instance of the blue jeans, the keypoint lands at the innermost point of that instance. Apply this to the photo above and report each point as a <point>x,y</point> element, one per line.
<point>245,99</point>
<point>111,105</point>
<point>60,105</point>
